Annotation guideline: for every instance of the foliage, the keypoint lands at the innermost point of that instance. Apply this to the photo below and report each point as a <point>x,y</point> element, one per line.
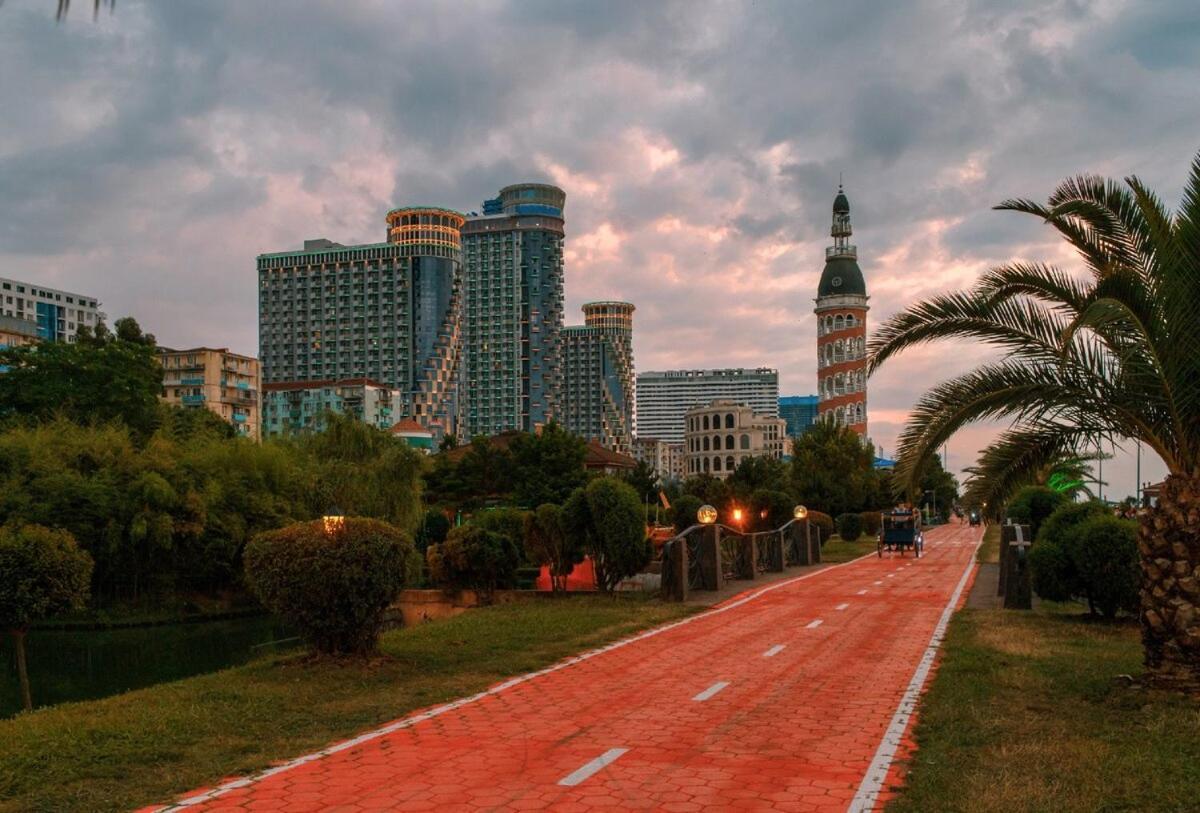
<point>683,511</point>
<point>1104,552</point>
<point>547,543</point>
<point>996,477</point>
<point>770,509</point>
<point>1052,572</point>
<point>546,466</point>
<point>1059,524</point>
<point>850,527</point>
<point>1111,356</point>
<point>833,469</point>
<point>822,522</point>
<point>1066,564</point>
<point>607,517</point>
<point>113,378</point>
<point>433,529</point>
<point>643,480</point>
<point>938,487</point>
<point>758,474</point>
<point>709,490</point>
<point>333,587</point>
<point>474,558</point>
<point>871,520</point>
<point>42,572</point>
<point>1033,505</point>
<point>509,523</point>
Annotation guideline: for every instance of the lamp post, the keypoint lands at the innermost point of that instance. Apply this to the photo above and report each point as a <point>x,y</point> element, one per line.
<point>333,521</point>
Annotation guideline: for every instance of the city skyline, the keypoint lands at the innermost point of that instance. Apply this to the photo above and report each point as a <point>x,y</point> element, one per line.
<point>161,169</point>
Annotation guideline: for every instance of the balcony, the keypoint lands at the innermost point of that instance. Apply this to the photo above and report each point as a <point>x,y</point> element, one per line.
<point>841,251</point>
<point>193,400</point>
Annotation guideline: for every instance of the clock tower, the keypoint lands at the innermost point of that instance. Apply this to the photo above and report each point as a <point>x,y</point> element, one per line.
<point>842,327</point>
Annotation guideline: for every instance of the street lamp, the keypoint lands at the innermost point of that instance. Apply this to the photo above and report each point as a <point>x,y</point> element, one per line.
<point>799,512</point>
<point>706,515</point>
<point>333,520</point>
<point>737,517</point>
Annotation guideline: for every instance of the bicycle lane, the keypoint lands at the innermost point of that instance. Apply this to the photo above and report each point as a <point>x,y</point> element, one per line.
<point>778,699</point>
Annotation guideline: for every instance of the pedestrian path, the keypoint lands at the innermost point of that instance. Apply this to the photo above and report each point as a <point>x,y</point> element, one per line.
<point>794,697</point>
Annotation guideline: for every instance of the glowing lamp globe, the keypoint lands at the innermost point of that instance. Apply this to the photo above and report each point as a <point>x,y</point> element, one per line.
<point>333,521</point>
<point>799,512</point>
<point>706,514</point>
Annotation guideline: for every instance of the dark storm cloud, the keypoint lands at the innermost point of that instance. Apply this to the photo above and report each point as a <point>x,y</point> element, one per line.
<point>148,157</point>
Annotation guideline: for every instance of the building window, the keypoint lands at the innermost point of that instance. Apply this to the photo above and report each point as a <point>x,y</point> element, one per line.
<point>745,441</point>
<point>838,324</point>
<point>729,464</point>
<point>705,421</point>
<point>716,464</point>
<point>729,441</point>
<point>706,448</point>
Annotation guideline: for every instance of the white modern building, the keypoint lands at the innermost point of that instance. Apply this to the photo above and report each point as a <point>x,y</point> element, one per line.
<point>667,459</point>
<point>664,397</point>
<point>56,315</point>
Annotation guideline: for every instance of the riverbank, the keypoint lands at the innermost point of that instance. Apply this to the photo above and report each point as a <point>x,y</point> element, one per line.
<point>1027,713</point>
<point>148,745</point>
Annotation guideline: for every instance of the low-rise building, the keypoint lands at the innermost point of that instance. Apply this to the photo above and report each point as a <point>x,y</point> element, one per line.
<point>299,407</point>
<point>667,459</point>
<point>719,436</point>
<point>55,315</point>
<point>227,384</point>
<point>16,332</point>
<point>416,436</point>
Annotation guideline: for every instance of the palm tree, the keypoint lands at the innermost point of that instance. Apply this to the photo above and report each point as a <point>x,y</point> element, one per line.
<point>1002,469</point>
<point>1115,355</point>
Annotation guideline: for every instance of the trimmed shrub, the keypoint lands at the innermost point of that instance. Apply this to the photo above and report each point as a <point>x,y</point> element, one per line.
<point>871,522</point>
<point>508,522</point>
<point>1104,551</point>
<point>606,516</point>
<point>433,529</point>
<point>547,543</point>
<point>849,527</point>
<point>474,558</point>
<point>333,587</point>
<point>822,522</point>
<point>1052,573</point>
<point>1065,518</point>
<point>683,512</point>
<point>1033,505</point>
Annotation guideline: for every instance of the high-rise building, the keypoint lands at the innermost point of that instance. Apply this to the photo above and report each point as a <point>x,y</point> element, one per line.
<point>226,384</point>
<point>597,400</point>
<point>389,312</point>
<point>841,309</point>
<point>513,310</point>
<point>720,435</point>
<point>667,459</point>
<point>664,397</point>
<point>56,315</point>
<point>800,412</point>
<point>299,407</point>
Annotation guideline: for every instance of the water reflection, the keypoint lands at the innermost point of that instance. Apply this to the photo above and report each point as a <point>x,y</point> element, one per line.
<point>85,665</point>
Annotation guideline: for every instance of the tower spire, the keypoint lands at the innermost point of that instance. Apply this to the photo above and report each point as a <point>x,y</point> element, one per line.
<point>841,230</point>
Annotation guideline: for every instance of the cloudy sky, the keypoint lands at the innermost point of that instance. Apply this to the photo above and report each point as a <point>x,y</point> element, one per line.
<point>147,157</point>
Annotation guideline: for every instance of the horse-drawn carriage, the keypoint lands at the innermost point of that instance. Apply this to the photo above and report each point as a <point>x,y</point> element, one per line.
<point>900,529</point>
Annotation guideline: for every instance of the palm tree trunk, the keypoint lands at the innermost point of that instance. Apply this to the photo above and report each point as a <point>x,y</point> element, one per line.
<point>18,636</point>
<point>1169,548</point>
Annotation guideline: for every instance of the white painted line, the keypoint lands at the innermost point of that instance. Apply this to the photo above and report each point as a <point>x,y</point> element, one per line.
<point>900,570</point>
<point>773,651</point>
<point>812,625</point>
<point>710,691</point>
<point>588,768</point>
<point>437,711</point>
<point>861,593</point>
<point>841,606</point>
<point>872,782</point>
<point>878,583</point>
<point>891,575</point>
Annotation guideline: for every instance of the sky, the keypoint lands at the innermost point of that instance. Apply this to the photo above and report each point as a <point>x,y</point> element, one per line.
<point>147,156</point>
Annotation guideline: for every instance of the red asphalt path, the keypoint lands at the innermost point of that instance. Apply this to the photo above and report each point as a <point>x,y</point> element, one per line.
<point>696,716</point>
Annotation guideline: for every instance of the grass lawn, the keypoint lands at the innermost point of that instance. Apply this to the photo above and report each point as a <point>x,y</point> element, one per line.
<point>989,551</point>
<point>149,745</point>
<point>837,550</point>
<point>1024,715</point>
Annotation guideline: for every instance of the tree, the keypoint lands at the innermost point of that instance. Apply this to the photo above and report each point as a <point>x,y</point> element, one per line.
<point>546,466</point>
<point>770,509</point>
<point>833,469</point>
<point>547,543</point>
<point>644,481</point>
<point>42,572</point>
<point>474,558</point>
<point>1115,355</point>
<point>939,488</point>
<point>758,474</point>
<point>999,473</point>
<point>683,511</point>
<point>89,381</point>
<point>433,530</point>
<point>607,517</point>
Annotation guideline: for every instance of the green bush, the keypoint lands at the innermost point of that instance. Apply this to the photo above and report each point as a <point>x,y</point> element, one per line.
<point>1033,505</point>
<point>683,511</point>
<point>433,529</point>
<point>871,521</point>
<point>607,517</point>
<point>333,587</point>
<point>1052,573</point>
<point>776,505</point>
<point>509,523</point>
<point>1104,551</point>
<point>821,522</point>
<point>849,527</point>
<point>1065,518</point>
<point>474,558</point>
<point>547,543</point>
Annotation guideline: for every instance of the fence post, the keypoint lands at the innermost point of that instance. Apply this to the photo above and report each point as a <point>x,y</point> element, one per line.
<point>1007,534</point>
<point>816,548</point>
<point>1018,594</point>
<point>710,560</point>
<point>800,542</point>
<point>776,564</point>
<point>675,570</point>
<point>748,553</point>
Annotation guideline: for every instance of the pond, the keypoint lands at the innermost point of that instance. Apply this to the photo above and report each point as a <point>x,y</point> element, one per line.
<point>88,664</point>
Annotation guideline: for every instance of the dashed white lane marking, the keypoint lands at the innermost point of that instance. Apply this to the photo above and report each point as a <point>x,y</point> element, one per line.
<point>878,583</point>
<point>710,691</point>
<point>841,606</point>
<point>773,651</point>
<point>588,768</point>
<point>891,575</point>
<point>812,625</point>
<point>899,570</point>
<point>861,593</point>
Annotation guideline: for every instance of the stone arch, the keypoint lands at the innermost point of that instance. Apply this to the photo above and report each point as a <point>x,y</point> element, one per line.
<point>706,441</point>
<point>729,421</point>
<point>729,441</point>
<point>838,322</point>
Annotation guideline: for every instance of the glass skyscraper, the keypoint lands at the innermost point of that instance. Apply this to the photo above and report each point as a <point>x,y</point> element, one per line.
<point>598,375</point>
<point>513,311</point>
<point>800,412</point>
